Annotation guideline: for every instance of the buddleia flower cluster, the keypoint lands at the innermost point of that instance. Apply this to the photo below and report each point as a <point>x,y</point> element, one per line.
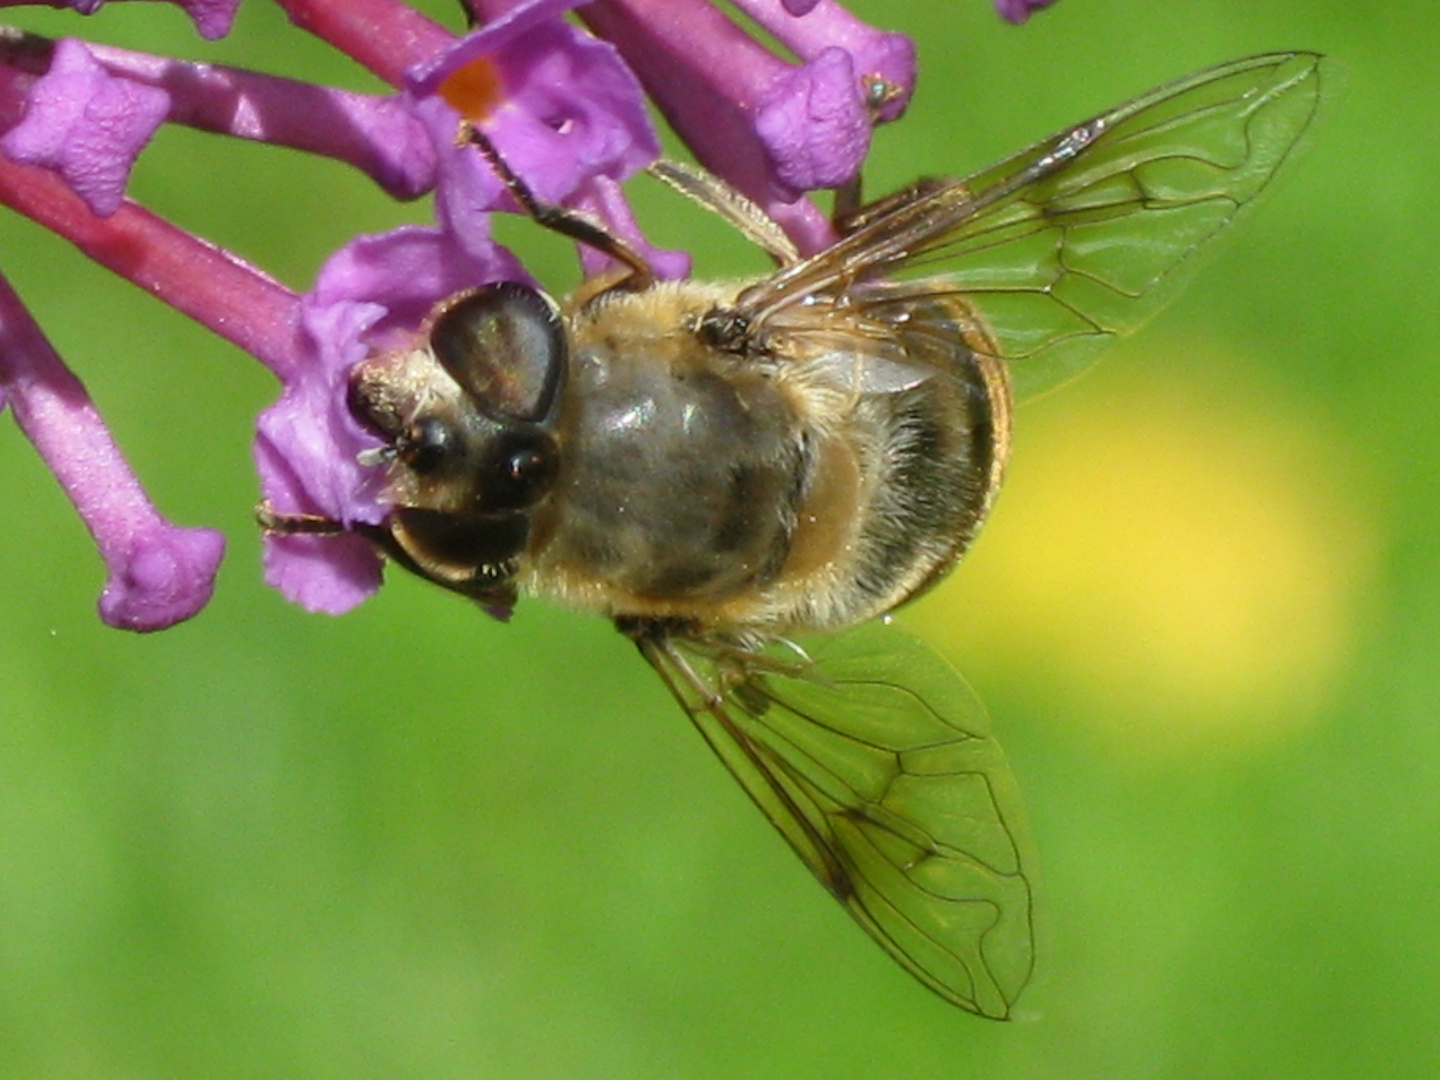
<point>561,91</point>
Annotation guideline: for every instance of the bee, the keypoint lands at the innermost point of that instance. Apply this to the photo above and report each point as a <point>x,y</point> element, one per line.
<point>725,469</point>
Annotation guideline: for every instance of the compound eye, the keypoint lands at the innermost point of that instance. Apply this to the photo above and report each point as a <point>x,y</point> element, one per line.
<point>505,345</point>
<point>426,445</point>
<point>523,471</point>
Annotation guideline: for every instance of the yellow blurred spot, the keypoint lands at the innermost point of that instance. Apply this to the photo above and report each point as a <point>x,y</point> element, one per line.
<point>473,90</point>
<point>1183,561</point>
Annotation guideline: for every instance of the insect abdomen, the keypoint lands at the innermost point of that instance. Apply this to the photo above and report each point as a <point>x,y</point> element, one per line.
<point>681,476</point>
<point>917,467</point>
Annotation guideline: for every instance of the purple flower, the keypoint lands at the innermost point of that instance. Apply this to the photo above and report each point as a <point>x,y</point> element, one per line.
<point>567,112</point>
<point>157,573</point>
<point>815,126</point>
<point>379,135</point>
<point>562,108</point>
<point>87,125</point>
<point>884,63</point>
<point>748,114</point>
<point>1017,11</point>
<point>212,18</point>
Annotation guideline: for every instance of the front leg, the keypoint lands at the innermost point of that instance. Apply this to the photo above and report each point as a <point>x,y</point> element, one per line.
<point>284,523</point>
<point>637,276</point>
<point>287,524</point>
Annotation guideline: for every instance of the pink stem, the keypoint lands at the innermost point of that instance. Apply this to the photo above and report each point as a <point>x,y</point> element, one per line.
<point>217,289</point>
<point>385,36</point>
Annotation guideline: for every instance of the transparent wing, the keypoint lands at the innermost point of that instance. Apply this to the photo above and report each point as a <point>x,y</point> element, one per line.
<point>876,763</point>
<point>1084,236</point>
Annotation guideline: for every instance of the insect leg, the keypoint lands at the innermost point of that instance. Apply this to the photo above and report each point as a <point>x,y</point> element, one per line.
<point>282,523</point>
<point>571,223</point>
<point>708,190</point>
<point>286,524</point>
<point>851,214</point>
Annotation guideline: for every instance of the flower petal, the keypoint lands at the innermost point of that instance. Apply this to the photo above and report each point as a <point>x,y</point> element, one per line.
<point>87,125</point>
<point>212,18</point>
<point>164,576</point>
<point>560,106</point>
<point>377,134</point>
<point>816,127</point>
<point>709,77</point>
<point>1017,11</point>
<point>883,61</point>
<point>371,295</point>
<point>158,574</point>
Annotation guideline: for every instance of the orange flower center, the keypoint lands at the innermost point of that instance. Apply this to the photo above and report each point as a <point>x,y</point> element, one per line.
<point>474,90</point>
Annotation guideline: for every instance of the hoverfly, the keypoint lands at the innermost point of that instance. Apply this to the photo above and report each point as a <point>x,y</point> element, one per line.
<point>718,468</point>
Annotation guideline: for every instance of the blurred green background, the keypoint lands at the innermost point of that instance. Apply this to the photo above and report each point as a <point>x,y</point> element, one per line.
<point>411,842</point>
